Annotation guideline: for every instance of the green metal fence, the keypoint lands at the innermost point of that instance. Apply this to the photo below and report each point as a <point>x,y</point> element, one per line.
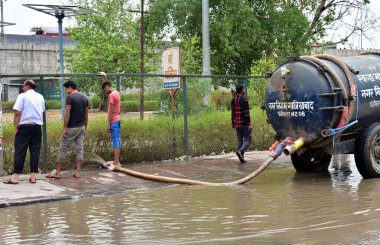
<point>199,125</point>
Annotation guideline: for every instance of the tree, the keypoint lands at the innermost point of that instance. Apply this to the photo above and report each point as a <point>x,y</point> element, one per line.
<point>244,31</point>
<point>108,40</point>
<point>332,16</point>
<point>241,31</point>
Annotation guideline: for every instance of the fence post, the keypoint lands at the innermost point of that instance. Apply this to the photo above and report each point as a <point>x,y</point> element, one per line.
<point>118,83</point>
<point>246,87</point>
<point>44,131</point>
<point>186,143</point>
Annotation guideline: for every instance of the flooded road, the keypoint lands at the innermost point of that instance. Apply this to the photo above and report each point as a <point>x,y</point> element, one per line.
<point>278,207</point>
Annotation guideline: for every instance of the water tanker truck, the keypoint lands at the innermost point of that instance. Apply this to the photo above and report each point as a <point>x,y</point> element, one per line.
<point>327,105</point>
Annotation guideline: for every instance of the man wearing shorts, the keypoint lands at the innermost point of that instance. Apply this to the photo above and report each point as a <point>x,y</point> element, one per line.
<point>74,128</point>
<point>114,120</point>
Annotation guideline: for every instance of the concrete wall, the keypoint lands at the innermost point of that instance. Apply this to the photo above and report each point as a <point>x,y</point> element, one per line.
<point>25,55</point>
<point>19,59</point>
<point>30,54</point>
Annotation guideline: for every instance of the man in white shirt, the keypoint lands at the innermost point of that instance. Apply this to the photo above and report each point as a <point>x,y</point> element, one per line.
<point>28,118</point>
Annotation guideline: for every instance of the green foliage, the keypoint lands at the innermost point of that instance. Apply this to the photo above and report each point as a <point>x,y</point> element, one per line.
<point>221,99</point>
<point>258,86</point>
<point>95,102</point>
<point>286,28</point>
<point>134,106</point>
<point>136,96</point>
<point>191,55</point>
<point>106,40</point>
<point>154,139</point>
<point>197,100</point>
<point>109,41</point>
<point>7,106</point>
<point>52,104</point>
<point>241,31</point>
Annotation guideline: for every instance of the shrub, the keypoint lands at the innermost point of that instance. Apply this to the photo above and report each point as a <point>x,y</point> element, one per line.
<point>7,105</point>
<point>136,96</point>
<point>52,104</point>
<point>49,105</point>
<point>95,102</point>
<point>221,99</point>
<point>133,106</point>
<point>154,139</point>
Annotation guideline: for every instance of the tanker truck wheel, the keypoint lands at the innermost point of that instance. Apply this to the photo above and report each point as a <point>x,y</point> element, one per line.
<point>367,157</point>
<point>311,161</point>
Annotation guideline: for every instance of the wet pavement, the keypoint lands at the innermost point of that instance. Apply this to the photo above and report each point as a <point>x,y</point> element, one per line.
<point>98,181</point>
<point>280,206</point>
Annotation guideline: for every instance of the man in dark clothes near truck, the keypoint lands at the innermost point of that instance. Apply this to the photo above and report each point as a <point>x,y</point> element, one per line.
<point>241,121</point>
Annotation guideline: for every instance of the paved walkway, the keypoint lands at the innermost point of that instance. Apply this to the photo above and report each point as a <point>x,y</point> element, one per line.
<point>98,181</point>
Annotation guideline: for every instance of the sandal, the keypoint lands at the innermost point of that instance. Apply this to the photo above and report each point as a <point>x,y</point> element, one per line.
<point>10,181</point>
<point>32,181</point>
<point>52,176</point>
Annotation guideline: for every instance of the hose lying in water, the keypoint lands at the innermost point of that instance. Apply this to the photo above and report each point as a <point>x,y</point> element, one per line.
<point>274,154</point>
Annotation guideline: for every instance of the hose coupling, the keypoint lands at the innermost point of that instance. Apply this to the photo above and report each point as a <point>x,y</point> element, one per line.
<point>275,144</point>
<point>290,149</point>
<point>278,151</point>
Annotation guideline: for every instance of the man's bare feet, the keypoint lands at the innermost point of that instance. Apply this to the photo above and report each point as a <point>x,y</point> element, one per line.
<point>53,175</point>
<point>76,174</point>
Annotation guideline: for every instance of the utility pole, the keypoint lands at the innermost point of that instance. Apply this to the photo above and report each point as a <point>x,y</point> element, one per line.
<point>2,17</point>
<point>60,12</point>
<point>206,63</point>
<point>206,70</point>
<point>142,70</point>
<point>142,65</point>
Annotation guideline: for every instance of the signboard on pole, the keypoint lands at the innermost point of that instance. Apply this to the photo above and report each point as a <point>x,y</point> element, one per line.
<point>171,65</point>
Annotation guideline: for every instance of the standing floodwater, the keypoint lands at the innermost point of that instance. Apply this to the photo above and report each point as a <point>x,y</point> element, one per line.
<point>278,207</point>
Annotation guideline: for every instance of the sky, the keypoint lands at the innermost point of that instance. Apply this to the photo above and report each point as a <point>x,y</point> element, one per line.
<point>26,18</point>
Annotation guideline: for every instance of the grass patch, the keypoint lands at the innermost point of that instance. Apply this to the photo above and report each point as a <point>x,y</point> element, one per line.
<point>154,139</point>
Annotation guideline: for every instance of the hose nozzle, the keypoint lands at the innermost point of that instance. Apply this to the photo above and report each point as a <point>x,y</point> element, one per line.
<point>290,149</point>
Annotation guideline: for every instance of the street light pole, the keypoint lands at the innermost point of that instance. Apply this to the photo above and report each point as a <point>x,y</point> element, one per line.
<point>206,61</point>
<point>60,17</point>
<point>2,17</point>
<point>142,70</point>
<point>60,11</point>
<point>206,38</point>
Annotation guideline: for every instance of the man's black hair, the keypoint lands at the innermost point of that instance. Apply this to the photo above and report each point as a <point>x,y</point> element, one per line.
<point>70,84</point>
<point>239,88</point>
<point>106,84</point>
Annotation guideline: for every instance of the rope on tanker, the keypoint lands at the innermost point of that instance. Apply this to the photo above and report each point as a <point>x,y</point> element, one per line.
<point>279,148</point>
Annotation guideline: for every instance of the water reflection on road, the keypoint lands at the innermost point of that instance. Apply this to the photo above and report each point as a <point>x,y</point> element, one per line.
<point>279,207</point>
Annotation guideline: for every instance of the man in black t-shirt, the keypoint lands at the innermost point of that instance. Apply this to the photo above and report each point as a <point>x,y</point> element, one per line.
<point>74,128</point>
